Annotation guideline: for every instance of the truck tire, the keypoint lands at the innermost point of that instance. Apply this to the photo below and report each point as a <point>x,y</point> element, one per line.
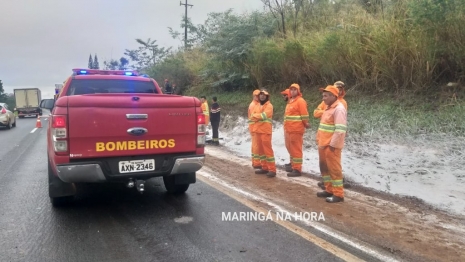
<point>172,187</point>
<point>14,124</point>
<point>60,193</point>
<point>9,125</point>
<point>61,201</point>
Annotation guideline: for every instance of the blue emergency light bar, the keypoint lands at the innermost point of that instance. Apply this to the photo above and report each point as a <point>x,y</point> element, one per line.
<point>80,71</point>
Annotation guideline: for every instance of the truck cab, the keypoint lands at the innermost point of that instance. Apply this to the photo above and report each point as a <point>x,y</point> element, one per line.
<point>116,126</point>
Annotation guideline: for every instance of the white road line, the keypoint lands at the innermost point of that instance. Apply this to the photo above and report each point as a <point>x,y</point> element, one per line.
<point>326,230</point>
<point>33,130</point>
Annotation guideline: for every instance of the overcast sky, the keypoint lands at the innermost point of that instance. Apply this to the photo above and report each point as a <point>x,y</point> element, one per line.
<point>42,40</point>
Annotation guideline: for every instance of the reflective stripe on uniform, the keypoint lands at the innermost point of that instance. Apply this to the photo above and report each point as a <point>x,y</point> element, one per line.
<point>337,183</point>
<point>326,128</point>
<point>292,118</point>
<point>340,128</point>
<point>265,121</point>
<point>206,111</point>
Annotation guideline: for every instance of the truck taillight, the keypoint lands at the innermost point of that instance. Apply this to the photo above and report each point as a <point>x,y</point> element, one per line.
<point>60,146</point>
<point>58,121</point>
<point>201,119</point>
<point>3,111</point>
<point>201,130</point>
<point>59,134</point>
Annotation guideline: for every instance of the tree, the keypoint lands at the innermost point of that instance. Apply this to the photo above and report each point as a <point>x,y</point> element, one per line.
<point>90,65</point>
<point>298,5</point>
<point>147,55</point>
<point>2,93</point>
<point>229,42</point>
<point>96,64</point>
<point>122,64</point>
<point>278,9</point>
<point>197,33</point>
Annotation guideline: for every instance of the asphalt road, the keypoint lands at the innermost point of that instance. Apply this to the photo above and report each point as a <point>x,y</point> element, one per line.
<point>114,223</point>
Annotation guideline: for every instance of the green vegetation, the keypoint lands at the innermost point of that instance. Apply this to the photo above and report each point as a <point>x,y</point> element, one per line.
<point>386,115</point>
<point>4,98</point>
<point>373,46</point>
<point>403,61</point>
<point>93,64</point>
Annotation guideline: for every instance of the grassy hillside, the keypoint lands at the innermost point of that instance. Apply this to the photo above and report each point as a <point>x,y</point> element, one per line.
<point>376,47</point>
<point>402,61</point>
<point>383,115</point>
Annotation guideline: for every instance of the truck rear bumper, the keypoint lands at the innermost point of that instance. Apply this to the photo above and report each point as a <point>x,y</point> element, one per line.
<point>93,173</point>
<point>81,173</point>
<point>29,111</point>
<point>187,165</point>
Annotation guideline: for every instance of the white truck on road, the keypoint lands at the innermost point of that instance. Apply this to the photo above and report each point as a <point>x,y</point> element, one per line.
<point>28,101</point>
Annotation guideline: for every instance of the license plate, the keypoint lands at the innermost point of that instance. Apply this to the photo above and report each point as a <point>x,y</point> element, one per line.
<point>137,166</point>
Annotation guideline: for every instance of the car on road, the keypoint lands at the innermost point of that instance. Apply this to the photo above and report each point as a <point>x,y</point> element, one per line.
<point>116,126</point>
<point>7,118</point>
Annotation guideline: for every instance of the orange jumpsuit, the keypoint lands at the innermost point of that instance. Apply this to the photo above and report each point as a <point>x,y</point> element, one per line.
<point>295,122</point>
<point>254,149</point>
<point>262,116</point>
<point>331,132</point>
<point>206,112</point>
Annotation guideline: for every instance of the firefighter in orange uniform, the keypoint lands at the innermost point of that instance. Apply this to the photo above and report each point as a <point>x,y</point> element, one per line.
<point>205,109</point>
<point>288,166</point>
<point>255,154</point>
<point>322,107</point>
<point>318,112</point>
<point>262,115</point>
<point>295,122</point>
<point>330,137</point>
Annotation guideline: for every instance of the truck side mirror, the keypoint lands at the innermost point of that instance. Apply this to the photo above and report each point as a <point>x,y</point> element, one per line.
<point>47,103</point>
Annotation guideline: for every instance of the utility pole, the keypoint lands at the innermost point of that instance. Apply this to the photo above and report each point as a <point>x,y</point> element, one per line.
<point>185,23</point>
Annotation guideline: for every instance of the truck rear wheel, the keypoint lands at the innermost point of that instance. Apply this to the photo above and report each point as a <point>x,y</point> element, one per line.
<point>61,193</point>
<point>172,187</point>
<point>61,201</point>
